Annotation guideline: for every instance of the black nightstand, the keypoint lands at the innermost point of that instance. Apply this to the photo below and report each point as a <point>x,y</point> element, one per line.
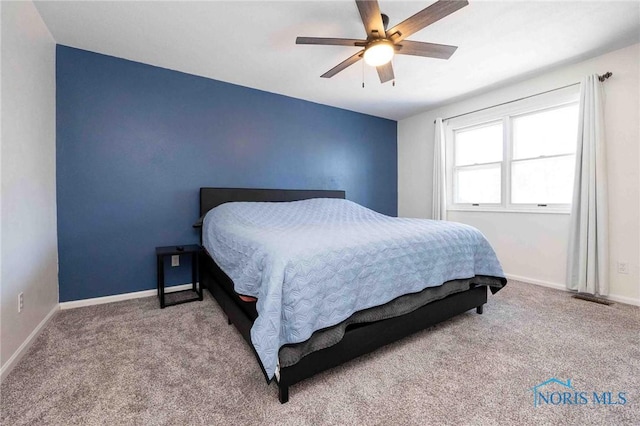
<point>161,253</point>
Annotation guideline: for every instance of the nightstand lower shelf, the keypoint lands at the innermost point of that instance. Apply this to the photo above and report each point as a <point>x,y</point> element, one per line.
<point>162,252</point>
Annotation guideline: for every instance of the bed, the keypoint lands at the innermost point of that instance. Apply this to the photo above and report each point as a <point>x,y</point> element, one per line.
<point>293,341</point>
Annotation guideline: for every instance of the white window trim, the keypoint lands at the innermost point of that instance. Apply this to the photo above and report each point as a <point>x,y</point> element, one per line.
<point>543,102</point>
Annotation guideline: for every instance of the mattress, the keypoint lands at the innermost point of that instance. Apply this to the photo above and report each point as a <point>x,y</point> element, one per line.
<point>312,264</point>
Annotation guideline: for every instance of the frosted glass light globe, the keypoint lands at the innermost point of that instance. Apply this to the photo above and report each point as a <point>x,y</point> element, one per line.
<point>378,52</point>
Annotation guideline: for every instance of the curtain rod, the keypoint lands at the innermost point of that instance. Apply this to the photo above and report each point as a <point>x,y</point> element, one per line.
<point>602,78</point>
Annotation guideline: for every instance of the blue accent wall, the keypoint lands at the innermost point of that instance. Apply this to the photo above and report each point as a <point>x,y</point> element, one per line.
<point>136,142</point>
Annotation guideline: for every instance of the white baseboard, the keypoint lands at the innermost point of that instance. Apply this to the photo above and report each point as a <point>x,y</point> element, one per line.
<point>624,299</point>
<point>13,360</point>
<point>557,286</point>
<point>549,284</point>
<point>119,297</point>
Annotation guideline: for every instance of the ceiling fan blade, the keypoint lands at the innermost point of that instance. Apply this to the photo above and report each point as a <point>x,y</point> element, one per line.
<point>371,18</point>
<point>429,50</point>
<point>342,65</point>
<point>385,72</point>
<point>424,18</point>
<point>331,41</point>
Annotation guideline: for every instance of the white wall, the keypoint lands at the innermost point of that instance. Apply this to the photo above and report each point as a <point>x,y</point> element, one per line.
<point>533,246</point>
<point>29,239</point>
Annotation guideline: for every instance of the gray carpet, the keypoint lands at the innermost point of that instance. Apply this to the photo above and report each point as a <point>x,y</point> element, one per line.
<point>132,363</point>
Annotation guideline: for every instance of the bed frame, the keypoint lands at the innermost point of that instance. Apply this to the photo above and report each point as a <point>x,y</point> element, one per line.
<point>359,339</point>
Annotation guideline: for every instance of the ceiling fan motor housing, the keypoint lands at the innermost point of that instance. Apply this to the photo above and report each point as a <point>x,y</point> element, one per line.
<point>385,21</point>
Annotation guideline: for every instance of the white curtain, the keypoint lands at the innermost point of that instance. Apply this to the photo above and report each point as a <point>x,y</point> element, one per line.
<point>588,265</point>
<point>439,201</point>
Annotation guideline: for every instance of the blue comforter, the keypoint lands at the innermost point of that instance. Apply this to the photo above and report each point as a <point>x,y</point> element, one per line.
<point>311,264</point>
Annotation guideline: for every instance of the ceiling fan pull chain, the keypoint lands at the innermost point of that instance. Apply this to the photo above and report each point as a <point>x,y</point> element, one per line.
<point>362,74</point>
<point>393,83</point>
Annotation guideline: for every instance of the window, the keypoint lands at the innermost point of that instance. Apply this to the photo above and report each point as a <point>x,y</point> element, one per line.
<point>478,163</point>
<point>543,160</point>
<point>518,159</point>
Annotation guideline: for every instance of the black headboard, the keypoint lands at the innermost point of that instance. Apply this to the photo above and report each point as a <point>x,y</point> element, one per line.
<point>213,197</point>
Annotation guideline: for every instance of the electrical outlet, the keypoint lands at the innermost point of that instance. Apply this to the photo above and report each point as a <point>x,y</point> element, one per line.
<point>20,302</point>
<point>175,260</point>
<point>623,268</point>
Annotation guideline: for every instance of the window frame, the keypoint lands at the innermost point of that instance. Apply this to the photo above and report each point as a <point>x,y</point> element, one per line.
<point>504,113</point>
<point>476,166</point>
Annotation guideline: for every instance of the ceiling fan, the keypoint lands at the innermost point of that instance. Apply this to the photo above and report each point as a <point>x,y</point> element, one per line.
<point>382,43</point>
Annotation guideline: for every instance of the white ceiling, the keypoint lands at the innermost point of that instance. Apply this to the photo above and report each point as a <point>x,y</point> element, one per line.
<point>253,44</point>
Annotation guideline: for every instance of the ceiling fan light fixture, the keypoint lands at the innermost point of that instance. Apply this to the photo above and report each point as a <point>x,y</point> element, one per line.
<point>379,49</point>
<point>379,52</point>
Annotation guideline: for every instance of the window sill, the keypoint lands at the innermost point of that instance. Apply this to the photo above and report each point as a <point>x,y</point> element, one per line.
<point>503,210</point>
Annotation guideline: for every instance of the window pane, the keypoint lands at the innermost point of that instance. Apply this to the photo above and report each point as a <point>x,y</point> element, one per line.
<point>478,185</point>
<point>549,132</point>
<point>479,145</point>
<point>543,181</point>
